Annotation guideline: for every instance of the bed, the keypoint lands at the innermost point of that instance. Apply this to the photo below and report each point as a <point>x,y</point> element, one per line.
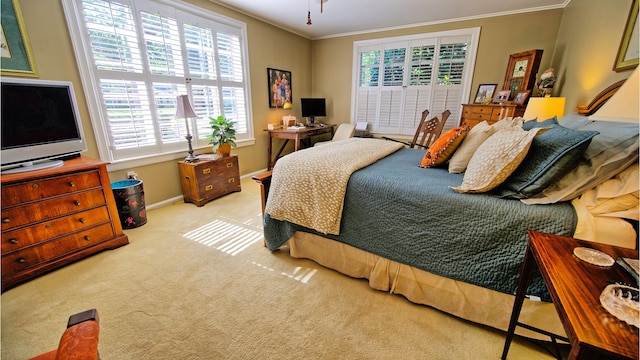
<point>366,208</point>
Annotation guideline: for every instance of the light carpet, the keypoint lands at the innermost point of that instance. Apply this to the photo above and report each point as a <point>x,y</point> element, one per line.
<point>197,283</point>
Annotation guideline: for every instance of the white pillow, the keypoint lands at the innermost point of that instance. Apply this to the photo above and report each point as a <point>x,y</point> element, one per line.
<point>496,159</point>
<point>476,136</point>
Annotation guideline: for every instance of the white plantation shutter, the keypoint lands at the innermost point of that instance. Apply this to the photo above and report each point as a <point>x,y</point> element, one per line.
<point>144,53</point>
<point>398,78</point>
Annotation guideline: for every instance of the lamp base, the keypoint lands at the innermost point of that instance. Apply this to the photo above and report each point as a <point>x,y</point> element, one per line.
<point>191,158</point>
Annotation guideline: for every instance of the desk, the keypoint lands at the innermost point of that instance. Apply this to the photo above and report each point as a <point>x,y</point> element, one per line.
<point>295,135</point>
<point>575,287</point>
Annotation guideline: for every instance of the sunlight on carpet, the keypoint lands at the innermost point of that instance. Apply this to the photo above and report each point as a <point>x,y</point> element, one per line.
<point>299,273</point>
<point>229,238</point>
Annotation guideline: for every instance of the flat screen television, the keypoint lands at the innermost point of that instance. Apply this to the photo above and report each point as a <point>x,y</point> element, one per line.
<point>40,124</point>
<point>312,108</point>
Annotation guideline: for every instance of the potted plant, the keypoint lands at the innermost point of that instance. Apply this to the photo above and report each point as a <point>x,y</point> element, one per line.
<point>223,135</point>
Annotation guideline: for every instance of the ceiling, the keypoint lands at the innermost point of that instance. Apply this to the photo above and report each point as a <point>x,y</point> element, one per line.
<point>342,17</point>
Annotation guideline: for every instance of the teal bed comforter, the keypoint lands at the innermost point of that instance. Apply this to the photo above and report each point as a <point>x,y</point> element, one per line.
<point>404,213</point>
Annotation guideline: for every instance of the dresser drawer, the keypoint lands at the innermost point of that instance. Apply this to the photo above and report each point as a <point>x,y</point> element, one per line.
<point>501,113</point>
<point>38,189</point>
<point>19,238</point>
<point>23,259</point>
<point>52,208</point>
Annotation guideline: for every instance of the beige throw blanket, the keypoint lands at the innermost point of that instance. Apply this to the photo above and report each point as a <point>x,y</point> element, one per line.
<point>308,186</point>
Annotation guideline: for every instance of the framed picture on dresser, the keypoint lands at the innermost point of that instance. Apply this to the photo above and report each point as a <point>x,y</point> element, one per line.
<point>521,97</point>
<point>484,95</point>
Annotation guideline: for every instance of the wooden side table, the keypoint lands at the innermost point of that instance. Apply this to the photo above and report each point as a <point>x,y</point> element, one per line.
<point>575,287</point>
<point>205,180</point>
<point>296,135</point>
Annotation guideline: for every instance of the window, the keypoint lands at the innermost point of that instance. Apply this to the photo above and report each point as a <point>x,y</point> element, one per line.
<point>137,56</point>
<point>395,79</point>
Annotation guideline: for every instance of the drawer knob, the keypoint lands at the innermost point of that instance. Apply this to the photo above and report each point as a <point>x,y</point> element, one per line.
<point>13,241</point>
<point>82,220</point>
<point>87,237</point>
<point>48,226</point>
<point>208,187</point>
<point>231,180</point>
<point>21,260</point>
<point>71,184</point>
<point>206,171</point>
<point>229,164</point>
<point>76,202</point>
<point>35,186</point>
<point>6,220</point>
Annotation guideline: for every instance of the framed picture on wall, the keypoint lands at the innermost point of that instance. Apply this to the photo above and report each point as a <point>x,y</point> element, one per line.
<point>279,87</point>
<point>484,95</point>
<point>629,50</point>
<point>15,51</point>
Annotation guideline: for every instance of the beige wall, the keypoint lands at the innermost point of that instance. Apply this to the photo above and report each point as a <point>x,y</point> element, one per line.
<point>499,37</point>
<point>268,46</point>
<point>579,41</point>
<point>586,49</point>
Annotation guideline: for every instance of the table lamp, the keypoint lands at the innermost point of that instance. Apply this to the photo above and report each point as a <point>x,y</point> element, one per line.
<point>544,108</point>
<point>185,111</point>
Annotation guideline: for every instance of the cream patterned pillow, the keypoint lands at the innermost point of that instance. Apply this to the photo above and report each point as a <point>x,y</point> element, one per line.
<point>476,136</point>
<point>496,159</point>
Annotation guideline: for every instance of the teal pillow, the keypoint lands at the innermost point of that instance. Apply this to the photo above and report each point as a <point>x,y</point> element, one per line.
<point>528,125</point>
<point>553,154</point>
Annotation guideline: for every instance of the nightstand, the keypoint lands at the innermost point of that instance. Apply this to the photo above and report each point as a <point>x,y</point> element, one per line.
<point>575,287</point>
<point>207,179</point>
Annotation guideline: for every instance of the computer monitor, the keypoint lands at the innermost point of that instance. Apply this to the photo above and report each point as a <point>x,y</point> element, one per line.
<point>313,107</point>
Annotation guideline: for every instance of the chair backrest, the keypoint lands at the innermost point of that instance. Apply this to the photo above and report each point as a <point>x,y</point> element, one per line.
<point>429,130</point>
<point>343,132</point>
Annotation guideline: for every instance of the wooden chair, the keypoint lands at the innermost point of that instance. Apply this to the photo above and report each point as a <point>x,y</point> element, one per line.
<point>79,340</point>
<point>427,132</point>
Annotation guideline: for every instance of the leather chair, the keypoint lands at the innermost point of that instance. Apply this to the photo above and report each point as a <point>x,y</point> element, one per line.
<point>80,339</point>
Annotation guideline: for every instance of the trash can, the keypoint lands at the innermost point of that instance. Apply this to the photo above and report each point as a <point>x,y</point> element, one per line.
<point>129,195</point>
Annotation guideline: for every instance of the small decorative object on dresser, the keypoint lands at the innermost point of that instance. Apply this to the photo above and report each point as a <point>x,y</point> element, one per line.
<point>209,178</point>
<point>546,83</point>
<point>55,216</point>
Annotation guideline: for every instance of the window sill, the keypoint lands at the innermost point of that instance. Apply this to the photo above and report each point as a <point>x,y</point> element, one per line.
<point>175,156</point>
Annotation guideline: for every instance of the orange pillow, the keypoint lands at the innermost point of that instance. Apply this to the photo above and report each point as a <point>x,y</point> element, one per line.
<point>444,147</point>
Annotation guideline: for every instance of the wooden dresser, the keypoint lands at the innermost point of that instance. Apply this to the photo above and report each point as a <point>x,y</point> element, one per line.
<point>208,179</point>
<point>55,216</point>
<point>473,114</point>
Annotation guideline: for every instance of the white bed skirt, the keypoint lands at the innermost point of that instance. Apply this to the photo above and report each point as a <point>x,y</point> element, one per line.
<point>469,302</point>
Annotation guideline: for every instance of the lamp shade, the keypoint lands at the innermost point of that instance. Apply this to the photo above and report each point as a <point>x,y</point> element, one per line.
<point>544,108</point>
<point>624,105</point>
<point>287,105</point>
<point>184,109</point>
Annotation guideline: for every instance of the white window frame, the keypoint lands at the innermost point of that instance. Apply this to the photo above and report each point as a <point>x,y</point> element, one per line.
<point>90,82</point>
<point>407,127</point>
